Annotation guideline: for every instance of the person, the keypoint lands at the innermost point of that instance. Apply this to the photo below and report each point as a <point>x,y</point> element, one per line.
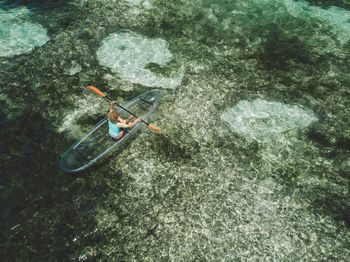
<point>117,124</point>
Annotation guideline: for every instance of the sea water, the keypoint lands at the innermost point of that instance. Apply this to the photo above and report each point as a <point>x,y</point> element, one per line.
<point>253,160</point>
<point>18,35</point>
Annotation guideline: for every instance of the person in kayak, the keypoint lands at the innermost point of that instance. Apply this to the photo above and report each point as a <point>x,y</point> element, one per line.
<point>117,124</point>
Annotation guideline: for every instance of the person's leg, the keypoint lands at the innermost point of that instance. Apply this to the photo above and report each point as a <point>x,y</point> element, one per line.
<point>121,133</point>
<point>129,118</point>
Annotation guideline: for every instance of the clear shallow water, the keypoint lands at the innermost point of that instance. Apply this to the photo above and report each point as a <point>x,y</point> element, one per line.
<point>17,35</point>
<point>203,190</point>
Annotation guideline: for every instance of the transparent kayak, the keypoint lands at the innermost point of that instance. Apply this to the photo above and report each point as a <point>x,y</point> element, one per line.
<point>96,143</point>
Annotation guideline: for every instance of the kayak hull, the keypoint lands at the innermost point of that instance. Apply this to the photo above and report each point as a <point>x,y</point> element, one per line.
<point>97,143</point>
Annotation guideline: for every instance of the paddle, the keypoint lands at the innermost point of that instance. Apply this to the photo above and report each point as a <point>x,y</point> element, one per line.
<point>97,91</point>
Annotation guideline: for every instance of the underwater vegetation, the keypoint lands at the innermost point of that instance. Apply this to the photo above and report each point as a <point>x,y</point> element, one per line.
<point>253,162</point>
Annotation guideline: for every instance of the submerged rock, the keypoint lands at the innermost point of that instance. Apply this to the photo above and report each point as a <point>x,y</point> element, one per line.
<point>345,166</point>
<point>72,68</point>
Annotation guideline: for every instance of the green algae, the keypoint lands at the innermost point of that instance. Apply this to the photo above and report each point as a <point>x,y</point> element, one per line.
<point>200,191</point>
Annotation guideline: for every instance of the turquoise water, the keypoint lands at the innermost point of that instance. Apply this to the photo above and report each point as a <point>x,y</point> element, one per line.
<point>253,163</point>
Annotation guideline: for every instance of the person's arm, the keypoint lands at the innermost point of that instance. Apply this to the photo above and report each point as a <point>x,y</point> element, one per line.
<point>131,124</point>
<point>111,108</point>
<point>122,125</point>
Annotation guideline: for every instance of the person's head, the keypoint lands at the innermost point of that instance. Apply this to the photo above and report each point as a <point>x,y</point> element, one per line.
<point>113,116</point>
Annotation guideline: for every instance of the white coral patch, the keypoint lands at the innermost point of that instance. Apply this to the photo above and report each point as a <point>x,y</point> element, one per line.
<point>128,53</point>
<point>263,120</point>
<point>18,36</point>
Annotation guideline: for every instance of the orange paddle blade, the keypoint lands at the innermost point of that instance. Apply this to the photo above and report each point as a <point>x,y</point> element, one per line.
<point>96,90</point>
<point>155,129</point>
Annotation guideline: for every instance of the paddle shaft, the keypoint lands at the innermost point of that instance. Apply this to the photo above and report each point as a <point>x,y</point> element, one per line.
<point>97,91</point>
<point>126,110</point>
